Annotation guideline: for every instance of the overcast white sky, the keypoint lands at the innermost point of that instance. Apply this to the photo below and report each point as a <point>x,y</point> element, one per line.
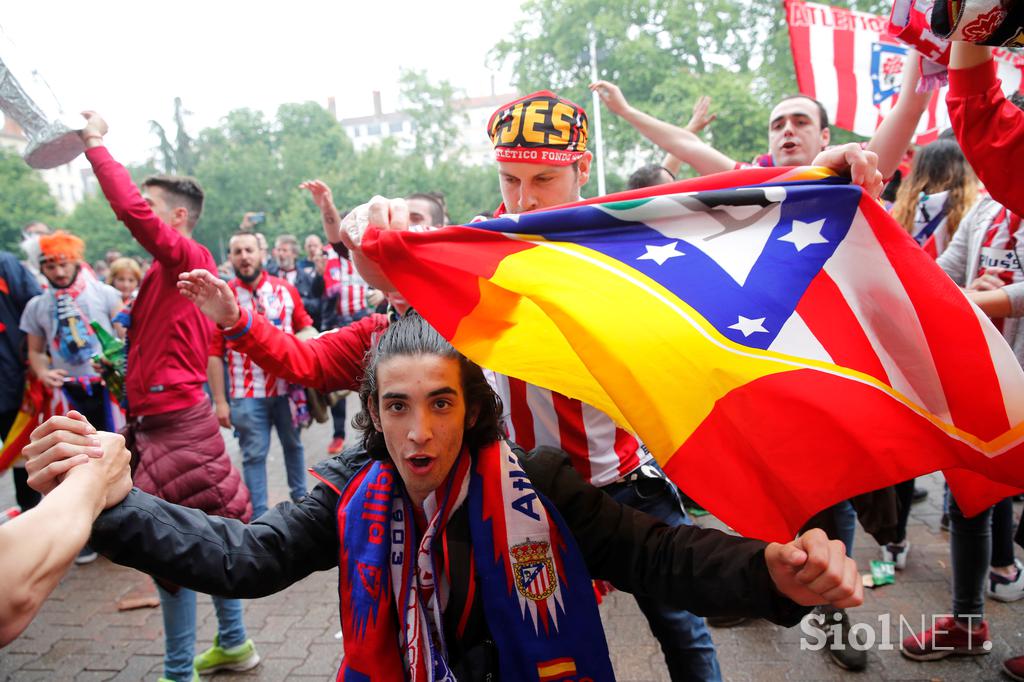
<point>128,60</point>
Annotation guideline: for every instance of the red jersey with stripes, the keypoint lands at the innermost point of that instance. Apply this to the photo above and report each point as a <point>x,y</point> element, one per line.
<point>599,450</point>
<point>279,303</point>
<point>342,280</point>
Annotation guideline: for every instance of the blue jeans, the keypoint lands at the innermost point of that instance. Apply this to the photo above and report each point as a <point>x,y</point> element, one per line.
<point>252,419</point>
<point>684,637</point>
<point>179,612</point>
<point>846,524</point>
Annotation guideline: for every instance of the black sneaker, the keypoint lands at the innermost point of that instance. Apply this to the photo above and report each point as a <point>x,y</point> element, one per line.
<point>847,650</point>
<point>918,495</point>
<point>86,556</point>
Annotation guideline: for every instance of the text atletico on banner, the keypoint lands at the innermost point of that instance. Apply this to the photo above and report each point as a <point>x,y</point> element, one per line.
<point>772,335</point>
<point>848,62</point>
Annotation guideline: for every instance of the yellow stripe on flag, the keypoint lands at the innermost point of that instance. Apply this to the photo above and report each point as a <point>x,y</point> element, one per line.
<point>668,364</point>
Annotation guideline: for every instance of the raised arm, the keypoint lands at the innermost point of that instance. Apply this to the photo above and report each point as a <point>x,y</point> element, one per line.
<point>173,250</point>
<point>679,142</point>
<point>897,129</point>
<point>699,120</point>
<point>321,195</point>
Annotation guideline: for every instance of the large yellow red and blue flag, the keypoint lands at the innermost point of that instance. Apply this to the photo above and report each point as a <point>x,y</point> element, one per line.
<point>772,335</point>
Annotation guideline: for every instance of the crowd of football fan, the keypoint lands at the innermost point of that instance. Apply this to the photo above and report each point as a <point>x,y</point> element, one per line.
<point>244,346</point>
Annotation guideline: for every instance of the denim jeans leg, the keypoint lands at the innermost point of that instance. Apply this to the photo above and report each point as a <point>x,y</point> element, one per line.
<point>179,614</point>
<point>970,544</point>
<point>846,524</point>
<point>250,417</point>
<point>684,638</point>
<point>230,627</point>
<point>338,418</point>
<point>291,445</point>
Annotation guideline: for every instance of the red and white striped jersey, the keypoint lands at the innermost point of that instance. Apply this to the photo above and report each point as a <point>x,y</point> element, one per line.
<point>279,302</point>
<point>342,280</point>
<point>599,450</point>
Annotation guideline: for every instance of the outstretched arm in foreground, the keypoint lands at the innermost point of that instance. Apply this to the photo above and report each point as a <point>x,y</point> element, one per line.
<point>38,547</point>
<point>329,362</point>
<point>210,554</point>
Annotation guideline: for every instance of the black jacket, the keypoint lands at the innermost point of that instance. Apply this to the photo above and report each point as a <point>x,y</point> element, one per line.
<point>702,571</point>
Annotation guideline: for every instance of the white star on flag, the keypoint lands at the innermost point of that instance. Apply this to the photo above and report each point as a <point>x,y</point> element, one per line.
<point>749,326</point>
<point>804,234</point>
<point>660,254</point>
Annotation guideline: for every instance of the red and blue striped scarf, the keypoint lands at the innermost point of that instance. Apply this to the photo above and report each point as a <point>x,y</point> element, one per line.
<point>537,597</point>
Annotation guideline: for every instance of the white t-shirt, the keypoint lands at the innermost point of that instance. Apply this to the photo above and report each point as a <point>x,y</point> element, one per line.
<point>97,301</point>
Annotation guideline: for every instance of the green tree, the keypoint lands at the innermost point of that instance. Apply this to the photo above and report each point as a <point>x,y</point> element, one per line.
<point>664,54</point>
<point>436,121</point>
<point>238,172</point>
<point>178,157</point>
<point>24,197</point>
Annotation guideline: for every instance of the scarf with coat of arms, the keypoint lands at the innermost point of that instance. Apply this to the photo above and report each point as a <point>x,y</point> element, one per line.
<point>73,337</point>
<point>536,591</point>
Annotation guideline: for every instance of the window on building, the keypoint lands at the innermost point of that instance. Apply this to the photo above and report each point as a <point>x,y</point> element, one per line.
<point>373,129</point>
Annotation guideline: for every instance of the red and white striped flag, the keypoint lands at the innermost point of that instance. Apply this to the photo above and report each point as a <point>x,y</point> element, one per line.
<point>848,62</point>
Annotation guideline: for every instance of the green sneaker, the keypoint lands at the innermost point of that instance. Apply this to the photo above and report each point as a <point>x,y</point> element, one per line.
<point>241,657</point>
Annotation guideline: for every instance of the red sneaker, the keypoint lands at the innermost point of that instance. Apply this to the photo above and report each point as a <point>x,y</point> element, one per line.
<point>1014,667</point>
<point>947,638</point>
<point>336,446</point>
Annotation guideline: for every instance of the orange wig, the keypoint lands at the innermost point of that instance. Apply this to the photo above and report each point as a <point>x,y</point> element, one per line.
<point>61,245</point>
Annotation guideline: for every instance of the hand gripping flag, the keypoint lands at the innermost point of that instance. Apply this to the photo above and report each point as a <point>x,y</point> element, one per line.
<point>772,335</point>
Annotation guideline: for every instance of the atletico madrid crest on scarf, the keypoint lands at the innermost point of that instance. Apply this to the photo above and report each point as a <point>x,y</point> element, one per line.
<point>534,570</point>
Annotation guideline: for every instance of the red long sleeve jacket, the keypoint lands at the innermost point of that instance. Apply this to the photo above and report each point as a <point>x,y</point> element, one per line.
<point>332,361</point>
<point>990,130</point>
<point>169,337</point>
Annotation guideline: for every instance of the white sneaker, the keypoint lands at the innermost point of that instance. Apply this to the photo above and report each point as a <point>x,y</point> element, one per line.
<point>1004,589</point>
<point>896,553</point>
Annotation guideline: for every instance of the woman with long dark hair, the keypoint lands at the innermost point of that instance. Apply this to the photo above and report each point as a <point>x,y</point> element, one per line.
<point>938,193</point>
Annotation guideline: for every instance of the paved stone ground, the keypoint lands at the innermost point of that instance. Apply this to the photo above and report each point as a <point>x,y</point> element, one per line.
<point>80,635</point>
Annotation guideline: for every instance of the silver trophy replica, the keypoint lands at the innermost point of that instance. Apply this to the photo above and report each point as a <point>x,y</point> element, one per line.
<point>50,144</point>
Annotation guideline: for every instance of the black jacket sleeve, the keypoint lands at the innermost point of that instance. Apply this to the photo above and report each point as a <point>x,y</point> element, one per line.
<point>218,555</point>
<point>703,571</point>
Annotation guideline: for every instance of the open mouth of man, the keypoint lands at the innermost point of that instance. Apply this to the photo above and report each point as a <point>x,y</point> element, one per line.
<point>420,464</point>
<point>788,146</point>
